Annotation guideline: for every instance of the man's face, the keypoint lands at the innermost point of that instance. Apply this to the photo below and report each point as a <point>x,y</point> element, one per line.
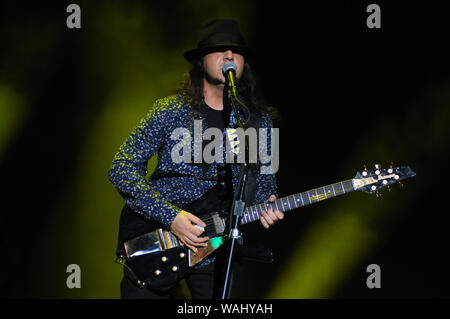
<point>213,64</point>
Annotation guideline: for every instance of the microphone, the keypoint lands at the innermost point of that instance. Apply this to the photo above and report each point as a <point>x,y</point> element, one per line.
<point>229,70</point>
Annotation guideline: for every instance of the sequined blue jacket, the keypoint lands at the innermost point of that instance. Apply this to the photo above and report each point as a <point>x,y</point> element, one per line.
<point>171,184</point>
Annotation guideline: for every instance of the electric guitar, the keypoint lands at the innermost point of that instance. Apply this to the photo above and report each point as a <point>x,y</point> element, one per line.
<point>158,260</point>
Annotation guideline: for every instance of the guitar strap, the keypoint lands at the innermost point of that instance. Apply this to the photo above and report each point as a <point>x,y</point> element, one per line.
<point>219,198</point>
<point>250,190</point>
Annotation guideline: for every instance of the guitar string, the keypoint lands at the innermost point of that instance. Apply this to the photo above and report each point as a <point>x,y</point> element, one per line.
<point>249,210</point>
<point>248,213</point>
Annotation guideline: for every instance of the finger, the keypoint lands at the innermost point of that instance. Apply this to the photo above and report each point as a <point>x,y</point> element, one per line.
<point>264,223</point>
<point>195,230</point>
<point>201,240</point>
<point>195,233</point>
<point>188,242</point>
<point>194,219</point>
<point>272,215</point>
<point>279,214</point>
<point>193,248</point>
<point>198,241</point>
<point>267,218</point>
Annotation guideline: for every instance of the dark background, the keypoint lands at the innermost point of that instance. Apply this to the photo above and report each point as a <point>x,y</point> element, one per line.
<point>348,95</point>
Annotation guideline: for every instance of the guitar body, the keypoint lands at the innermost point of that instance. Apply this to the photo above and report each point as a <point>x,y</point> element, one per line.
<point>152,272</point>
<point>157,259</point>
<point>155,256</point>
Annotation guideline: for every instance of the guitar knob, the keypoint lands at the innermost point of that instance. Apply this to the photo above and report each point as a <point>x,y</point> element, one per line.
<point>182,255</point>
<point>174,268</point>
<point>163,258</point>
<point>157,272</point>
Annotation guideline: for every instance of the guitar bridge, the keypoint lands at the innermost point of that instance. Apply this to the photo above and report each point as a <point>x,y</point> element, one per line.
<point>219,223</point>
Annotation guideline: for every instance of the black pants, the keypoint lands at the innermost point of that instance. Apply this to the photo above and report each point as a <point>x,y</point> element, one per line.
<point>203,283</point>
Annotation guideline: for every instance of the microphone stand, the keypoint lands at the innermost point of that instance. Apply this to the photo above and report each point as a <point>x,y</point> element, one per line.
<point>238,204</point>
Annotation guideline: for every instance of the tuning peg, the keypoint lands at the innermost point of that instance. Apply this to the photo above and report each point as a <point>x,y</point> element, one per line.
<point>401,184</point>
<point>364,173</point>
<point>390,169</point>
<point>377,167</point>
<point>388,188</point>
<point>378,194</point>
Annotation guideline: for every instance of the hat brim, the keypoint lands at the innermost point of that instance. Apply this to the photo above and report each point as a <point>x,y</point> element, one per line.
<point>201,52</point>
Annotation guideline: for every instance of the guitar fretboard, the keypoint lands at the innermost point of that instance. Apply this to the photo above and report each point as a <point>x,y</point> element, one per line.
<point>287,203</point>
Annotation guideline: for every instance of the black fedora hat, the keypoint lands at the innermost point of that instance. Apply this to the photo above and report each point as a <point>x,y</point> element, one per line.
<point>219,35</point>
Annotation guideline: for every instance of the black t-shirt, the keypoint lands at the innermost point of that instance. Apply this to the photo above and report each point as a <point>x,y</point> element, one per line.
<point>215,118</point>
<point>221,191</point>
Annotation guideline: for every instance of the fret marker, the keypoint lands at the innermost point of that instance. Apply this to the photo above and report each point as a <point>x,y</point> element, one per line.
<point>318,197</point>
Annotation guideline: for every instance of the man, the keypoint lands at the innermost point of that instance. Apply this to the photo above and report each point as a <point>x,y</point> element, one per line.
<point>177,191</point>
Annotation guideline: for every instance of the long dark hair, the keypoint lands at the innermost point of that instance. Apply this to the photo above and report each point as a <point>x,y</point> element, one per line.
<point>192,88</point>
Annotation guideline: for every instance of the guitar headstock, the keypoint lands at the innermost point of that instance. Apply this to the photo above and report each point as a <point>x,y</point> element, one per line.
<point>370,181</point>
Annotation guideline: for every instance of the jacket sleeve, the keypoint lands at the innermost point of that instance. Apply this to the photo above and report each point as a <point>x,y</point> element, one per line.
<point>129,167</point>
<point>266,183</point>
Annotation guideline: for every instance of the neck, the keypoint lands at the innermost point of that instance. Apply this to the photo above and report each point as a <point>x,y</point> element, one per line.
<point>213,94</point>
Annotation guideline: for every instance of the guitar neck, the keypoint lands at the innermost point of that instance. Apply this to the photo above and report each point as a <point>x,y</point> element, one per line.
<point>287,203</point>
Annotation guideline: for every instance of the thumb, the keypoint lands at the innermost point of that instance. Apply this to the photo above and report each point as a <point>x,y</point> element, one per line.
<point>194,219</point>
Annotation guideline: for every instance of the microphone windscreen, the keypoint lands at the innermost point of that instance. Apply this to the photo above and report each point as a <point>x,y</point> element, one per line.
<point>228,66</point>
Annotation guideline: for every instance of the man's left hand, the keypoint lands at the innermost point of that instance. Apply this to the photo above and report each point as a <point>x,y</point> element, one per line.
<point>269,217</point>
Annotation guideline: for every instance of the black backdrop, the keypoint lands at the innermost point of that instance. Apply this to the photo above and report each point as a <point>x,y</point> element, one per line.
<point>342,89</point>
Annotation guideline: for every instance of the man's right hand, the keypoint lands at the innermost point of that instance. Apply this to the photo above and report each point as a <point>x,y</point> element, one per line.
<point>183,227</point>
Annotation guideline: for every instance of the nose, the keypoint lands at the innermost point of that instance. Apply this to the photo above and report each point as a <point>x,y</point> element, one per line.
<point>228,55</point>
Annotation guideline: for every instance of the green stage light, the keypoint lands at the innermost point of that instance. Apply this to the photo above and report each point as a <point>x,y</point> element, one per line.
<point>12,112</point>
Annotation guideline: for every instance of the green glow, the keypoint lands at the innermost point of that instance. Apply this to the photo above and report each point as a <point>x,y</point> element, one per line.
<point>132,64</point>
<point>216,242</point>
<point>12,112</point>
<point>327,254</point>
